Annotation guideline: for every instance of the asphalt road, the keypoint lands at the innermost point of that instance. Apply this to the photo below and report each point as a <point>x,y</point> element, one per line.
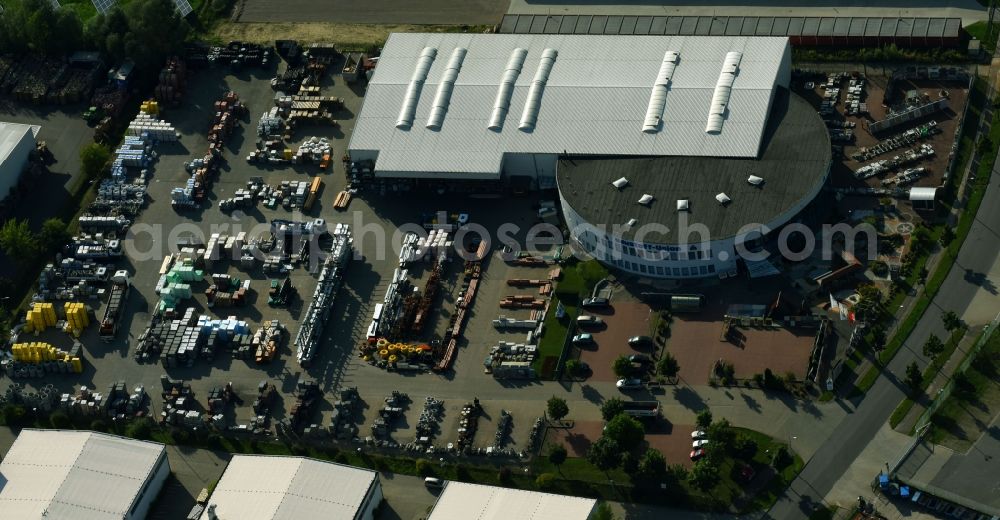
<point>978,254</point>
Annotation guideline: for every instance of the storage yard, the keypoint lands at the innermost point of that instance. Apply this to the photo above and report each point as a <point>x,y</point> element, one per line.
<point>224,337</point>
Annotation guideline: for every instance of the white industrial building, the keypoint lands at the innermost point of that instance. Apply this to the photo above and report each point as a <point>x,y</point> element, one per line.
<point>262,487</point>
<point>16,143</point>
<point>80,475</point>
<point>461,501</point>
<point>632,130</point>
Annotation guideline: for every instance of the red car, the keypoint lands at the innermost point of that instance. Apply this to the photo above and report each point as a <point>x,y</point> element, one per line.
<point>698,453</point>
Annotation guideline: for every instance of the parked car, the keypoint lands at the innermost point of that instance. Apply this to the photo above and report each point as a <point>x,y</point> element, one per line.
<point>629,384</point>
<point>700,443</point>
<point>583,339</point>
<point>698,434</point>
<point>595,303</point>
<point>640,358</point>
<point>698,453</point>
<point>588,320</point>
<point>640,341</point>
<point>433,482</point>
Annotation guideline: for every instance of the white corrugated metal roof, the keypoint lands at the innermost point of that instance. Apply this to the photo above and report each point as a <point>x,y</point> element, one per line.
<point>11,134</point>
<point>923,193</point>
<point>74,475</point>
<point>595,99</point>
<point>260,487</point>
<point>461,501</point>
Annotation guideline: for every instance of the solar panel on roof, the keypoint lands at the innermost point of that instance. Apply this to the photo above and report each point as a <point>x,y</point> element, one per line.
<point>103,6</point>
<point>183,7</point>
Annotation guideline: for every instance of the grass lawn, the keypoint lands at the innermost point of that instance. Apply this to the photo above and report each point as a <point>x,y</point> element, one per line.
<point>929,374</point>
<point>964,414</point>
<point>978,31</point>
<point>578,280</point>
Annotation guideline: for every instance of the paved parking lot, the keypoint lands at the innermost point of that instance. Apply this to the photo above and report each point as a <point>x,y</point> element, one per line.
<point>624,320</point>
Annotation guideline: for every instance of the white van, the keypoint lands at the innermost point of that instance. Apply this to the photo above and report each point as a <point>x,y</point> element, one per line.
<point>433,482</point>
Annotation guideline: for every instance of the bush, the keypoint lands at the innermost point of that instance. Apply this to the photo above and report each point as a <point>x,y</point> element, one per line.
<point>545,480</point>
<point>424,468</point>
<point>745,448</point>
<point>60,421</point>
<point>504,475</point>
<point>98,425</point>
<point>630,464</point>
<point>14,416</point>
<point>140,429</point>
<point>781,458</point>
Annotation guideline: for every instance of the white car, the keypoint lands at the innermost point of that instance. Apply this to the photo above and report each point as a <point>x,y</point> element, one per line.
<point>700,443</point>
<point>698,434</point>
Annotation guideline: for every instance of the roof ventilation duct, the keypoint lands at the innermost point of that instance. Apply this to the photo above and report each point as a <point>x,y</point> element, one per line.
<point>658,96</point>
<point>502,103</point>
<point>631,222</point>
<point>755,180</point>
<point>620,183</point>
<point>409,107</point>
<point>646,199</point>
<point>445,88</point>
<point>723,199</point>
<point>723,89</point>
<point>532,105</point>
<point>683,204</point>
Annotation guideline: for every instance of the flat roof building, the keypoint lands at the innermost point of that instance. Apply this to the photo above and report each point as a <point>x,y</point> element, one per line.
<point>80,475</point>
<point>461,501</point>
<point>478,106</point>
<point>16,143</point>
<point>262,487</point>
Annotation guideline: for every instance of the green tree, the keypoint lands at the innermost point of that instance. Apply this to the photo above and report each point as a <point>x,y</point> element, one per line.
<point>869,302</point>
<point>629,463</point>
<point>745,447</point>
<point>424,467</point>
<point>652,465</point>
<point>914,377</point>
<point>951,320</point>
<point>722,436</point>
<point>544,481</point>
<point>704,476</point>
<point>93,159</point>
<point>612,408</point>
<point>878,337</point>
<point>604,454</point>
<point>53,235</point>
<point>557,455</point>
<point>622,366</point>
<point>947,235</point>
<point>18,242</point>
<point>704,419</point>
<point>140,429</point>
<point>602,512</point>
<point>933,346</point>
<point>573,367</point>
<point>626,431</point>
<point>557,408</point>
<point>668,367</point>
<point>60,421</point>
<point>782,458</point>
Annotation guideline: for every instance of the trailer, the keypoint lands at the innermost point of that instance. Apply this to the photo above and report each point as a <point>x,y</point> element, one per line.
<point>641,408</point>
<point>120,286</point>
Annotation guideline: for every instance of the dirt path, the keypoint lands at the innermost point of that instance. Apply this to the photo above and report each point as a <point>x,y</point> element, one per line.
<point>344,35</point>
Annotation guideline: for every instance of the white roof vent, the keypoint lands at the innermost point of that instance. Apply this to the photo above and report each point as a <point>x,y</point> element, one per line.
<point>755,180</point>
<point>529,116</point>
<point>620,183</point>
<point>646,199</point>
<point>631,222</point>
<point>420,71</point>
<point>506,88</point>
<point>723,199</point>
<point>683,205</point>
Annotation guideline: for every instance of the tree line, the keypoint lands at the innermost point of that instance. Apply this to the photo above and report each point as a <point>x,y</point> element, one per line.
<point>147,31</point>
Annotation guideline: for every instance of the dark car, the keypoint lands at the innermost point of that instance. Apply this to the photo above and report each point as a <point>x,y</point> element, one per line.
<point>640,358</point>
<point>640,341</point>
<point>596,303</point>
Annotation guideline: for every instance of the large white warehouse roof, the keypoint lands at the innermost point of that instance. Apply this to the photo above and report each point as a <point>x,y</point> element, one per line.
<point>74,475</point>
<point>10,135</point>
<point>260,487</point>
<point>461,501</point>
<point>458,102</point>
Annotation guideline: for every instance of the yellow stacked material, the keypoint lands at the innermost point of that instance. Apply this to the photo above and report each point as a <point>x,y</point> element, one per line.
<point>150,107</point>
<point>40,317</point>
<point>36,352</point>
<point>384,353</point>
<point>393,358</point>
<point>382,343</point>
<point>77,364</point>
<point>76,318</point>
